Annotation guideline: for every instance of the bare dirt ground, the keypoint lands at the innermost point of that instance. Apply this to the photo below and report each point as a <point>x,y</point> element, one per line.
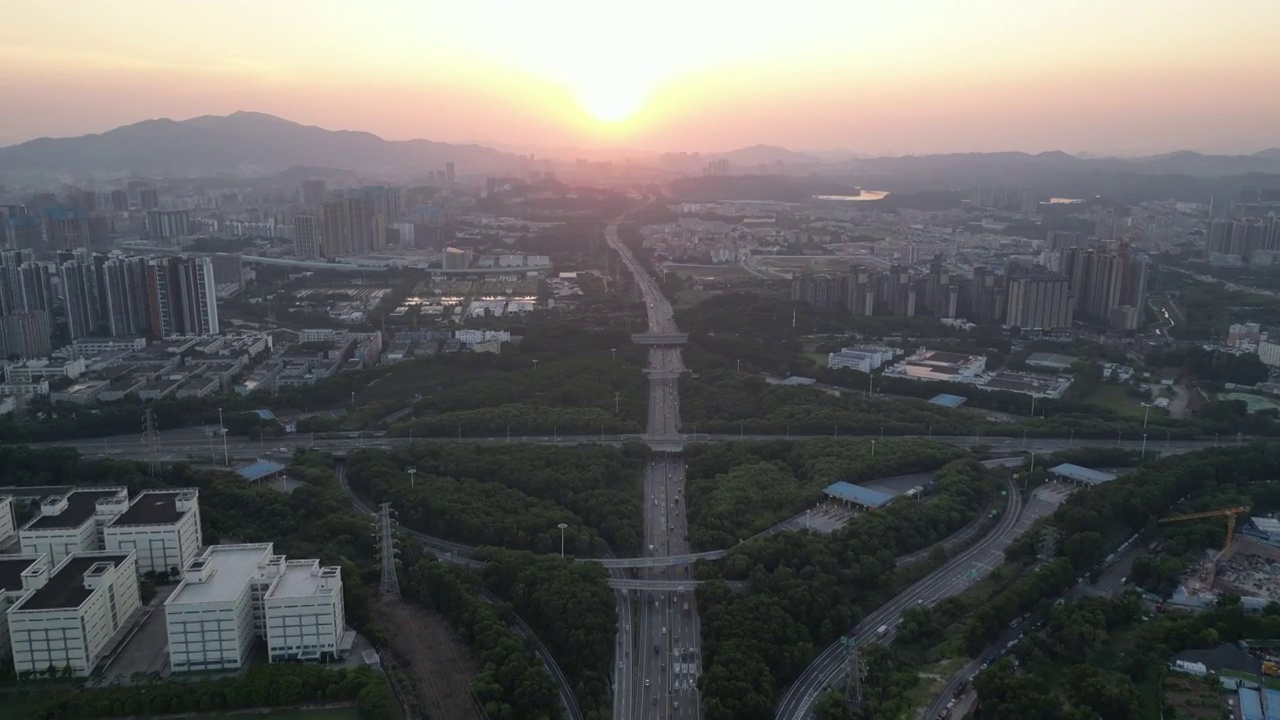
<point>439,665</point>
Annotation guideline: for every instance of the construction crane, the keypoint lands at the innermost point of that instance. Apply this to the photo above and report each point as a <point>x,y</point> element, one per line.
<point>1230,514</point>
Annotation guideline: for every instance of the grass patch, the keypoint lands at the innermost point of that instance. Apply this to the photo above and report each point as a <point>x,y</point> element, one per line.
<point>1117,399</point>
<point>819,359</point>
<point>715,272</point>
<point>933,680</point>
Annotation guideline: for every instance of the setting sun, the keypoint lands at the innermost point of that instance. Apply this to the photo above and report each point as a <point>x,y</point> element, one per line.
<point>611,104</point>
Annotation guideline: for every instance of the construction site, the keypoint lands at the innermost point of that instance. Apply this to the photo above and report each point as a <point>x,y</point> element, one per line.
<point>1247,565</point>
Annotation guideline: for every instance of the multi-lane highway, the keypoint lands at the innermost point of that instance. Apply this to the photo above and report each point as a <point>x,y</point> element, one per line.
<point>951,579</point>
<point>195,445</point>
<point>658,650</point>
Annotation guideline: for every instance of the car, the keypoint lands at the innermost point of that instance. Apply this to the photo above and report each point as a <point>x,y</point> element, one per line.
<point>283,450</point>
<point>664,631</point>
<point>619,664</point>
<point>655,699</point>
<point>646,682</point>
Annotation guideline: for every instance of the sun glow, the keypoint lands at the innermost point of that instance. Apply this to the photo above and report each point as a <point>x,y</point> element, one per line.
<point>611,103</point>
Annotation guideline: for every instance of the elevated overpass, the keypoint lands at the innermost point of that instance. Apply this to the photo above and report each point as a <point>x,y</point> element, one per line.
<point>660,338</point>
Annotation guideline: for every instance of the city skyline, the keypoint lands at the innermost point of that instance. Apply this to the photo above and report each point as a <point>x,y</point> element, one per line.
<point>882,80</point>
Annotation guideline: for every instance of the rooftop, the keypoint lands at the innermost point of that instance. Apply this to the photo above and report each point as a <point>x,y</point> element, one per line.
<point>301,579</point>
<point>81,505</point>
<point>11,568</point>
<point>857,494</point>
<point>1051,359</point>
<point>259,469</point>
<point>1270,526</point>
<point>228,570</point>
<point>152,508</point>
<point>947,400</point>
<point>1081,474</point>
<point>65,588</point>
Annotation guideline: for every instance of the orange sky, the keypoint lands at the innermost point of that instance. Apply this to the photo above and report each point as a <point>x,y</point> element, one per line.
<point>1123,76</point>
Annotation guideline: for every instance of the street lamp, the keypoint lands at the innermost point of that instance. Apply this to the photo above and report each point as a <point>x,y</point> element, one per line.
<point>562,526</point>
<point>1146,410</point>
<point>613,354</point>
<point>873,447</point>
<point>226,454</point>
<point>412,471</point>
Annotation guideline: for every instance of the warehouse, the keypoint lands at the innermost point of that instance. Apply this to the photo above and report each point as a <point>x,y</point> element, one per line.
<point>73,522</point>
<point>163,526</point>
<point>70,616</point>
<point>235,593</point>
<point>12,570</point>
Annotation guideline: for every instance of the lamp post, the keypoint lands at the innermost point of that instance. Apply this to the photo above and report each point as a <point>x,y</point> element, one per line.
<point>226,454</point>
<point>613,354</point>
<point>873,447</point>
<point>1146,410</point>
<point>562,526</point>
<point>412,471</point>
<point>1144,446</point>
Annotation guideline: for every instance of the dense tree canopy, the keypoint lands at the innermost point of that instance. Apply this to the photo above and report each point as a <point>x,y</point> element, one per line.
<point>511,496</point>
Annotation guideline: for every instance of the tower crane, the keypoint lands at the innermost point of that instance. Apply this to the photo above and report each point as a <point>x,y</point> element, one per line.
<point>1229,513</point>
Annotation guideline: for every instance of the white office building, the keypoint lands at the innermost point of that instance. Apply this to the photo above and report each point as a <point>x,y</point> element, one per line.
<point>12,568</point>
<point>73,522</point>
<point>233,594</point>
<point>863,358</point>
<point>8,525</point>
<point>162,526</point>
<point>70,616</point>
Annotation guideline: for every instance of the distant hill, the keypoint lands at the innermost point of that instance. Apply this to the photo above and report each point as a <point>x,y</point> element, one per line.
<point>243,143</point>
<point>764,155</point>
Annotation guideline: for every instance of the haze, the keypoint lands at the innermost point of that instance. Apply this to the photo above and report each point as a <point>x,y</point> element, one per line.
<point>1117,76</point>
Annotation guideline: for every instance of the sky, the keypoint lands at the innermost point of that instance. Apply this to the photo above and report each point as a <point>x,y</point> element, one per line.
<point>908,76</point>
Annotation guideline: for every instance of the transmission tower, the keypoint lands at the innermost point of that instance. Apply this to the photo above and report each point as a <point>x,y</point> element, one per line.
<point>151,443</point>
<point>853,672</point>
<point>389,587</point>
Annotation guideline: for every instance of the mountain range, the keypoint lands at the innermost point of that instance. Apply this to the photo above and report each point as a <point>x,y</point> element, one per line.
<point>250,144</point>
<point>242,143</point>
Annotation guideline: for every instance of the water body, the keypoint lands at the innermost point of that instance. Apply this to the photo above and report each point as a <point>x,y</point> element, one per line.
<point>866,195</point>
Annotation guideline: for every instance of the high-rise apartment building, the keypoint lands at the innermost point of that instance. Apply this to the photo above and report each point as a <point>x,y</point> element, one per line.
<point>66,228</point>
<point>148,199</point>
<point>314,192</point>
<point>80,296</point>
<point>182,297</point>
<point>1059,240</point>
<point>1039,301</point>
<point>120,200</point>
<point>26,334</point>
<point>1101,282</point>
<point>449,175</point>
<point>167,224</point>
<point>307,241</point>
<point>124,283</point>
<point>347,227</point>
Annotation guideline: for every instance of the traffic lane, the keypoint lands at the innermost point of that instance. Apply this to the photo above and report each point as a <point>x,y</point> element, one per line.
<point>798,701</point>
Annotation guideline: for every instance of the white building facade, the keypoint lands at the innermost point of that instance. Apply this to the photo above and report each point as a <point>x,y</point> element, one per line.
<point>12,568</point>
<point>68,617</point>
<point>162,527</point>
<point>72,523</point>
<point>233,594</point>
<point>8,524</point>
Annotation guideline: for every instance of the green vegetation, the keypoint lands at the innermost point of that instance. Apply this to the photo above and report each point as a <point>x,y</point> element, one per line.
<point>806,590</point>
<point>511,684</point>
<point>1208,308</point>
<point>259,686</point>
<point>724,401</point>
<point>1211,366</point>
<point>511,496</point>
<point>736,490</point>
<point>571,608</point>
